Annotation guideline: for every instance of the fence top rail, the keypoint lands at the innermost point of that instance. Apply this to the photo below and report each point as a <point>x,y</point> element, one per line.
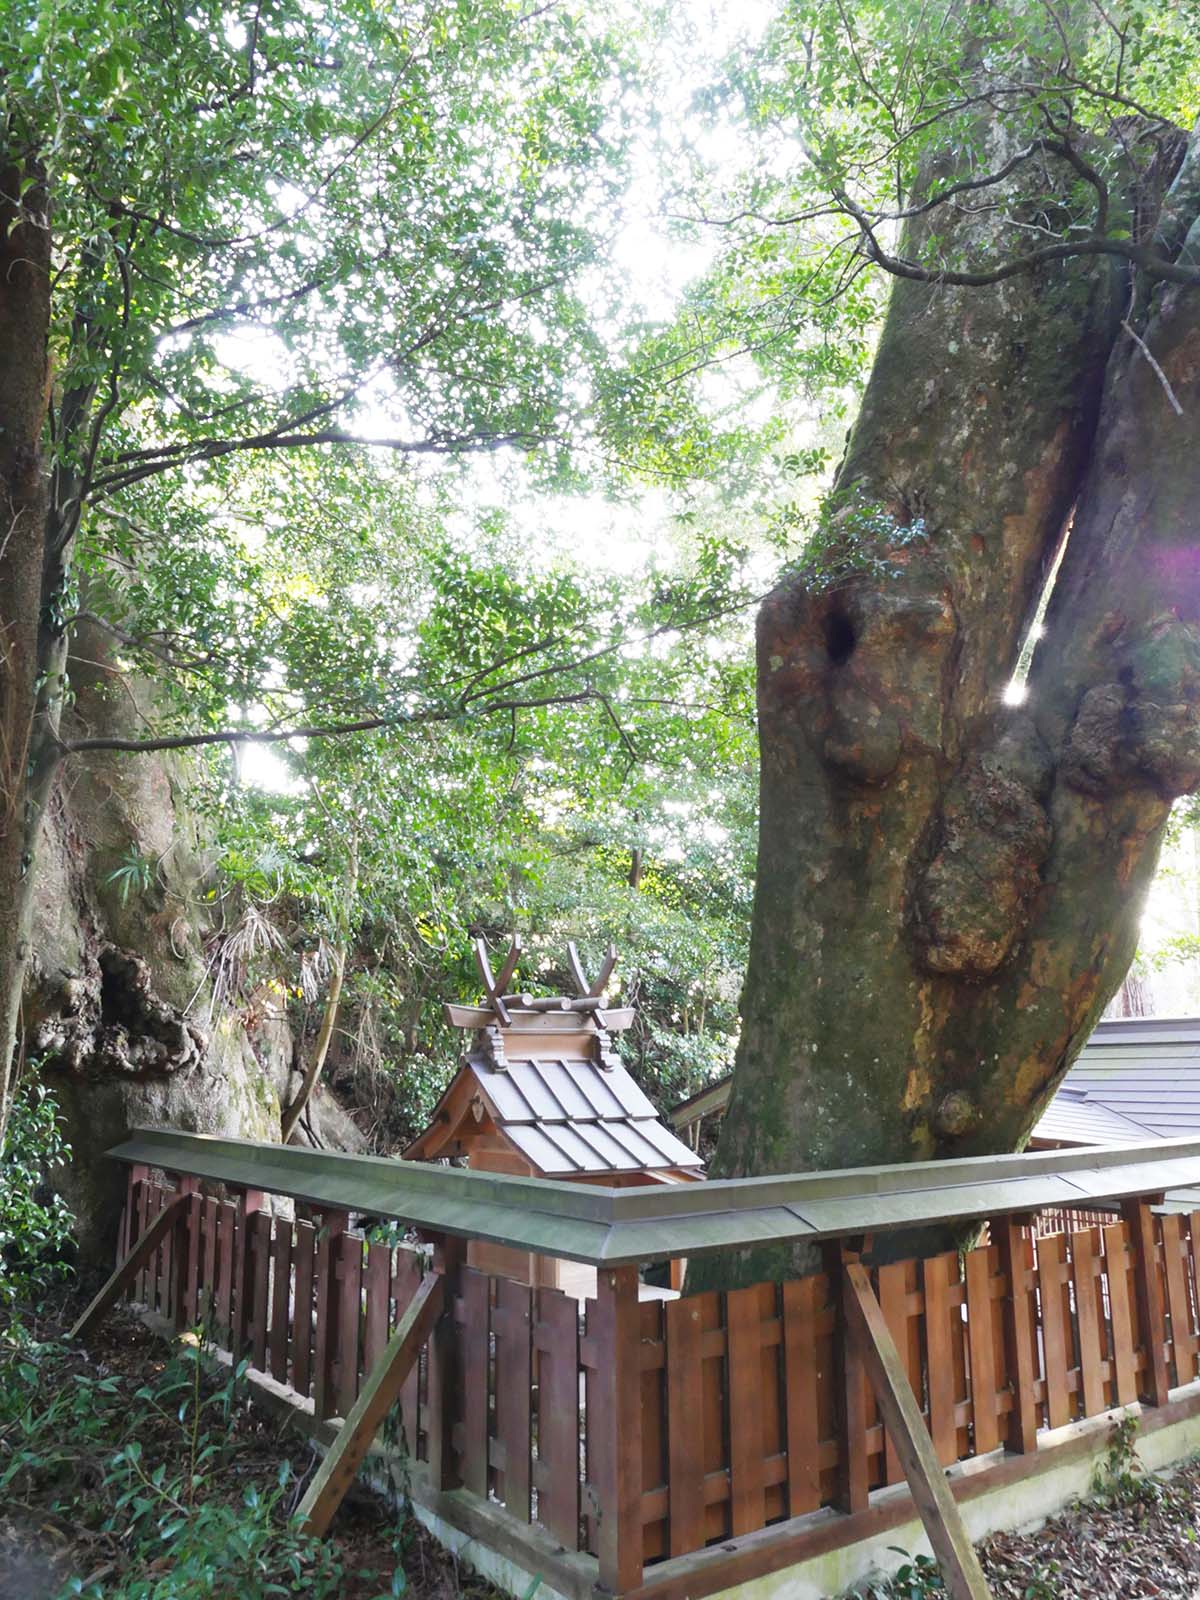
<point>613,1227</point>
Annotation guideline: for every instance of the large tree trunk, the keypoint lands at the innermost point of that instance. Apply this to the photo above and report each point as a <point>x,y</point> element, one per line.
<point>24,387</point>
<point>949,888</point>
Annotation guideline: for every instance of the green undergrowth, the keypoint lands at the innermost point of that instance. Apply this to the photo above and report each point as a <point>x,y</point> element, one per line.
<point>133,1470</point>
<point>36,1245</point>
<point>159,1479</point>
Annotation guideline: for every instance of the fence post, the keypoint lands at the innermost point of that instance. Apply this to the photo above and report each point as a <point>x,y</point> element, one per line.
<point>249,1201</point>
<point>138,1173</point>
<point>1018,1332</point>
<point>333,1225</point>
<point>185,1255</point>
<point>1139,1220</point>
<point>445,1380</point>
<point>615,1429</point>
<point>348,1272</point>
<point>851,1492</point>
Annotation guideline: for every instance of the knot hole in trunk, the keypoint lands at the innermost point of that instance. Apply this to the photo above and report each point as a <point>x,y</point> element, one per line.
<point>840,637</point>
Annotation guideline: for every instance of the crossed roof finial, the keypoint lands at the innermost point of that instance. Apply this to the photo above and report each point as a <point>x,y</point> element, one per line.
<point>588,997</point>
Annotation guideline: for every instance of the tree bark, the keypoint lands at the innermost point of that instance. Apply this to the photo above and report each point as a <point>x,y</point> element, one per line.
<point>949,887</point>
<point>333,999</point>
<point>24,396</point>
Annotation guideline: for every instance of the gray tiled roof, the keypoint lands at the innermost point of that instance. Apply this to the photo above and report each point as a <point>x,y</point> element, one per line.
<point>573,1116</point>
<point>1136,1078</point>
<point>1073,1118</point>
<point>1145,1069</point>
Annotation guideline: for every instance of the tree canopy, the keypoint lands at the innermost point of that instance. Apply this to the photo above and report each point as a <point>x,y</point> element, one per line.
<point>308,268</point>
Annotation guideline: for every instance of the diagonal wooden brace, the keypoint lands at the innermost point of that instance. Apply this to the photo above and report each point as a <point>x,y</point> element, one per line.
<point>379,1393</point>
<point>139,1252</point>
<point>947,1533</point>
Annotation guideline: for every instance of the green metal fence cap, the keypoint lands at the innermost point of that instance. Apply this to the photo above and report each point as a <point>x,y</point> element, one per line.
<point>604,1226</point>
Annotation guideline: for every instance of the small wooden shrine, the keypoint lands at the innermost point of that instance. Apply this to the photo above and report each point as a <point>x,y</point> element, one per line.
<point>541,1092</point>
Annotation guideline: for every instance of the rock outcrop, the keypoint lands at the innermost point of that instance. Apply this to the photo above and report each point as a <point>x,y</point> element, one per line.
<point>121,1012</point>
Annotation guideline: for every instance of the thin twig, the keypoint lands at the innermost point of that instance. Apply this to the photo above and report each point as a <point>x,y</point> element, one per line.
<point>1154,366</point>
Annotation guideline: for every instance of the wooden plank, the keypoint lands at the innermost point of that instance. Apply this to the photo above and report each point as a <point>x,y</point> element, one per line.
<point>984,1413</point>
<point>147,1212</point>
<point>654,1474</point>
<point>164,1273</point>
<point>260,1286</point>
<point>851,1486</point>
<point>444,1368</point>
<point>1151,1313</point>
<point>556,1340</point>
<point>514,1394</point>
<point>1000,1383</point>
<point>772,1408</point>
<point>1085,1251</point>
<point>685,1425</point>
<point>614,1428</point>
<point>1019,1333</point>
<point>138,1224</point>
<point>1194,1258</point>
<point>209,1225</point>
<point>1191,1259</point>
<point>893,1291</point>
<point>956,1298</point>
<point>377,1286</point>
<point>126,1221</point>
<point>127,1227</point>
<point>800,1306</point>
<point>1124,1362</point>
<point>249,1203</point>
<point>222,1310</point>
<point>344,1457</point>
<point>325,1321</point>
<point>304,1255</point>
<point>743,1363</point>
<point>281,1291</point>
<point>474,1334</point>
<point>348,1272</point>
<point>944,1526</point>
<point>1056,1327</point>
<point>159,1263</point>
<point>935,1277</point>
<point>408,1270</point>
<point>147,1243</point>
<point>1183,1343</point>
<point>714,1397</point>
<point>187,1256</point>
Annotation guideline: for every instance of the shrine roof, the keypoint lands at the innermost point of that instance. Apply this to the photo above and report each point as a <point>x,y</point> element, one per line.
<point>571,1110</point>
<point>542,1073</point>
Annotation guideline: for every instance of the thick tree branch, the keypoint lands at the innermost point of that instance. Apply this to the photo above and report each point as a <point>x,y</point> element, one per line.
<point>214,449</point>
<point>1153,265</point>
<point>328,730</point>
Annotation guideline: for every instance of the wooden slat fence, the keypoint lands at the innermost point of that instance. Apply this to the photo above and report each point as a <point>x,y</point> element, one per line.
<point>312,1305</point>
<point>749,1413</point>
<point>747,1425</point>
<point>1070,1221</point>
